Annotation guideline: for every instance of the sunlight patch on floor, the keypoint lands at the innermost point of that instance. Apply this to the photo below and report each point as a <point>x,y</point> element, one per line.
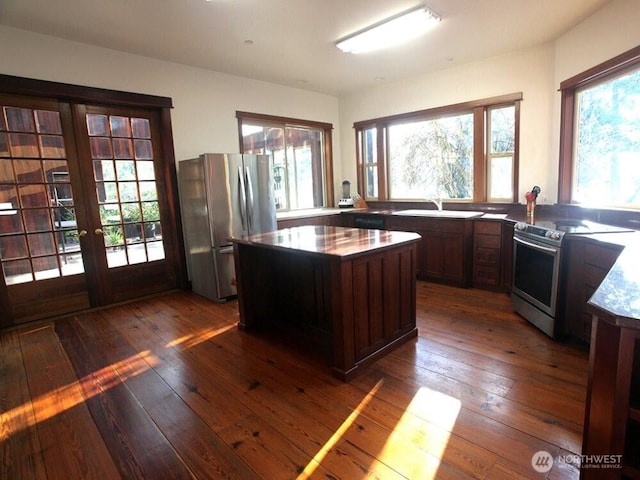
<point>337,435</point>
<point>413,433</point>
<point>188,341</point>
<point>66,397</point>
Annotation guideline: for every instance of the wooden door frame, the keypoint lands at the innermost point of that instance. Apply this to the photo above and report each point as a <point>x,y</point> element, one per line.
<point>68,93</point>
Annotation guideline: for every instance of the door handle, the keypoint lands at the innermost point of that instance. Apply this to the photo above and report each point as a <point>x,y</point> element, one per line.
<point>98,231</point>
<point>82,233</point>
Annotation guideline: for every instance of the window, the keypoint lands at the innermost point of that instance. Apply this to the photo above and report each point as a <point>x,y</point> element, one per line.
<point>501,154</point>
<point>432,159</point>
<point>600,135</point>
<point>369,144</point>
<point>301,153</point>
<point>441,153</point>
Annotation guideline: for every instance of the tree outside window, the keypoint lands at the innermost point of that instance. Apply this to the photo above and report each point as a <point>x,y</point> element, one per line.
<point>600,135</point>
<point>607,144</point>
<point>432,159</point>
<point>442,153</point>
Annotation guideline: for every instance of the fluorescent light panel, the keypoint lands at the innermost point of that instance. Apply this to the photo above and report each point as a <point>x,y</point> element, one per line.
<point>392,31</point>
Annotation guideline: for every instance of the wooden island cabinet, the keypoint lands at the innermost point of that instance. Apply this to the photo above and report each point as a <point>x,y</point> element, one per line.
<point>346,292</point>
<point>612,415</point>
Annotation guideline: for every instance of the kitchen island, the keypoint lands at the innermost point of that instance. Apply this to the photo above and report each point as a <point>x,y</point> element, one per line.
<point>347,293</point>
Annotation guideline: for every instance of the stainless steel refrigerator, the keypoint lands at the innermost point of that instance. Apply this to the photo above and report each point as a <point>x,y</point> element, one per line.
<point>222,196</point>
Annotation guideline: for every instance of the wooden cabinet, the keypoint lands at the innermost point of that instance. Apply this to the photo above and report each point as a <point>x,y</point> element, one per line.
<point>612,416</point>
<point>332,220</point>
<point>487,253</point>
<point>586,263</point>
<point>343,294</point>
<point>507,254</point>
<point>445,252</point>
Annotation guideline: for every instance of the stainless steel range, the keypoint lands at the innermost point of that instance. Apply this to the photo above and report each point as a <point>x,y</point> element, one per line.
<point>537,264</point>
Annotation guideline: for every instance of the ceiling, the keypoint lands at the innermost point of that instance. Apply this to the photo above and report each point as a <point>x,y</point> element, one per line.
<point>292,42</point>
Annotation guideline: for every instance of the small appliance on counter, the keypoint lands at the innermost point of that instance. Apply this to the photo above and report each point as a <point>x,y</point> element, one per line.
<point>346,201</point>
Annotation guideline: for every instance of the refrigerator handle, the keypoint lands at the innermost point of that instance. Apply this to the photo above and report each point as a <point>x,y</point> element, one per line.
<point>242,199</point>
<point>250,203</point>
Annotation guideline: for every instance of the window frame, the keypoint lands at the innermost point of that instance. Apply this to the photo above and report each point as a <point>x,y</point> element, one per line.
<point>287,122</point>
<point>608,70</point>
<point>479,108</point>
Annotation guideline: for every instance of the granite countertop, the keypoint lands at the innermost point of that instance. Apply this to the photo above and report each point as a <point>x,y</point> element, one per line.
<point>619,292</point>
<point>331,241</point>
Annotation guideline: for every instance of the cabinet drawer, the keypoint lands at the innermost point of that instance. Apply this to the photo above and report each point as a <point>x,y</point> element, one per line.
<point>488,256</point>
<point>488,228</point>
<point>486,276</point>
<point>487,241</point>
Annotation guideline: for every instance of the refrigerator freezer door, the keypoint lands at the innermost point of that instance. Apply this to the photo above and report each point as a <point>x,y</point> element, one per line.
<point>195,219</point>
<point>225,272</point>
<point>261,205</point>
<point>225,194</point>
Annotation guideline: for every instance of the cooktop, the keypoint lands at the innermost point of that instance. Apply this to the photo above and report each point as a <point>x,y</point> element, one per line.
<point>579,226</point>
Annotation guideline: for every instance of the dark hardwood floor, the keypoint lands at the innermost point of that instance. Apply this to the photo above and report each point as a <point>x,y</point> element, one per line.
<point>169,388</point>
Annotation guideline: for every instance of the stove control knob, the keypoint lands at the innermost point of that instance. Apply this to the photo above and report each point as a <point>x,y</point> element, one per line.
<point>554,235</point>
<point>520,226</point>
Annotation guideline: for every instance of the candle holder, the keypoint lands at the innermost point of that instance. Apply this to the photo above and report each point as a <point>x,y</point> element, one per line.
<point>531,209</point>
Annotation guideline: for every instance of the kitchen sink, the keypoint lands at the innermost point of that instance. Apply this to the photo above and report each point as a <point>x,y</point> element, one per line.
<point>439,213</point>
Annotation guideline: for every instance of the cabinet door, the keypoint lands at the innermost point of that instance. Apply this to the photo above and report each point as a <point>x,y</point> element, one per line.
<point>453,257</point>
<point>434,253</point>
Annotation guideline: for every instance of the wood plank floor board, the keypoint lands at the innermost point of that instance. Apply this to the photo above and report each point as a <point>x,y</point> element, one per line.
<point>298,398</point>
<point>130,435</point>
<point>174,373</point>
<point>572,389</point>
<point>551,427</point>
<point>20,448</point>
<point>204,451</point>
<point>253,348</point>
<point>271,408</point>
<point>65,427</point>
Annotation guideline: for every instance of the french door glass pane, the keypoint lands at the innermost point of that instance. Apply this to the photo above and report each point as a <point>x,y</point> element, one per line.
<point>38,232</point>
<point>125,182</point>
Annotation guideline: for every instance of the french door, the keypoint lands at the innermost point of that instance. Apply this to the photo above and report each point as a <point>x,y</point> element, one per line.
<point>83,206</point>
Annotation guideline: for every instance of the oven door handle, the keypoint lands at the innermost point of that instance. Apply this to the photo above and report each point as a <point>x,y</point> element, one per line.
<point>553,251</point>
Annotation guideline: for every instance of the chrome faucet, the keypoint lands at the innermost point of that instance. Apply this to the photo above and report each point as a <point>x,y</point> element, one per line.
<point>437,201</point>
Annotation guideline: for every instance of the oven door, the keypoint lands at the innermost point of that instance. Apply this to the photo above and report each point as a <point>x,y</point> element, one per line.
<point>535,273</point>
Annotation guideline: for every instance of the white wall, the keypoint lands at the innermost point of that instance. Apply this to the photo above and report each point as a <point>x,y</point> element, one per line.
<point>204,102</point>
<point>537,72</point>
<point>528,71</point>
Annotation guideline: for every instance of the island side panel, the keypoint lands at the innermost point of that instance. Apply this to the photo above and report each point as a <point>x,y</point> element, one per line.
<point>378,311</point>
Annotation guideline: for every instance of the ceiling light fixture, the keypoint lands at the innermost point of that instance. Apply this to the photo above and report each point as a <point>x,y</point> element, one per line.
<point>392,31</point>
